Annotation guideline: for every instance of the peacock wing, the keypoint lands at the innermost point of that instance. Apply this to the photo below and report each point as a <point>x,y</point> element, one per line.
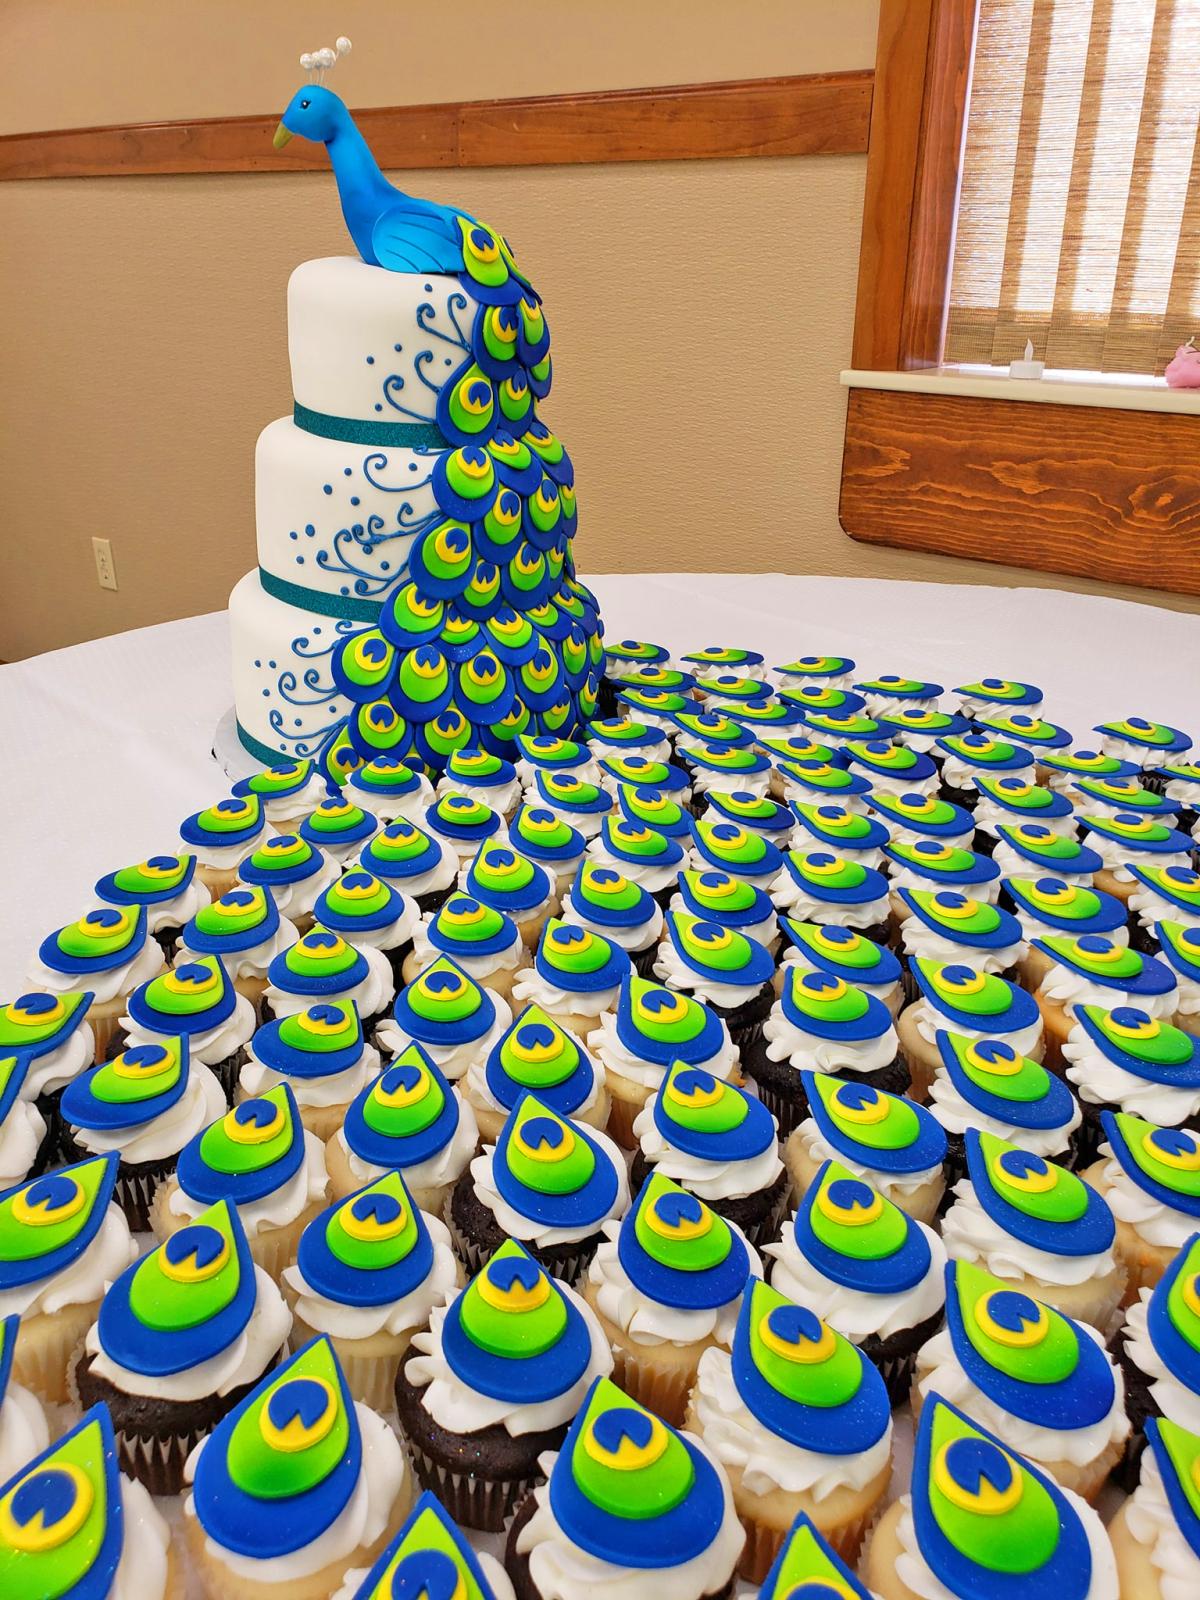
<point>410,237</point>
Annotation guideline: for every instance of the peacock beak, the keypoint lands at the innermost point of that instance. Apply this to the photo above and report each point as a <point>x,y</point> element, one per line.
<point>282,135</point>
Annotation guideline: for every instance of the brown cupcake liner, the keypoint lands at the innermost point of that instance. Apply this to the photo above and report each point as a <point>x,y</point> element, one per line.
<point>484,1504</point>
<point>567,1265</point>
<point>763,1543</point>
<point>621,1116</point>
<point>136,1184</point>
<point>664,1393</point>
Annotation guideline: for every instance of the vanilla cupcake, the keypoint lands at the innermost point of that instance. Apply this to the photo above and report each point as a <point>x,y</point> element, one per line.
<point>1049,908</point>
<point>843,954</point>
<point>722,968</point>
<point>293,872</point>
<point>222,836</point>
<point>891,768</point>
<point>1148,1176</point>
<point>198,1002</point>
<point>483,777</point>
<point>22,1126</point>
<point>987,1085</point>
<point>510,883</point>
<point>1039,1227</point>
<point>340,828</point>
<point>1015,798</point>
<point>1156,1533</point>
<point>1158,1347</point>
<point>1031,849</point>
<point>289,792</point>
<point>165,887</point>
<point>422,867</point>
<point>1093,971</point>
<point>639,853</point>
<point>320,1054</point>
<point>817,886</point>
<point>960,999</point>
<point>245,929</point>
<point>1044,1385</point>
<point>408,1120</point>
<point>607,903</point>
<point>575,976</point>
<point>818,783</point>
<point>1128,838</point>
<point>718,767</point>
<point>108,953</point>
<point>1180,948</point>
<point>24,1432</point>
<point>480,940</point>
<point>545,838</point>
<point>966,757</point>
<point>538,1054</point>
<point>322,968</point>
<point>1127,1060</point>
<point>1162,894</point>
<point>912,816</point>
<point>388,788</point>
<point>933,864</point>
<point>453,1018</point>
<point>1029,729</point>
<point>576,801</point>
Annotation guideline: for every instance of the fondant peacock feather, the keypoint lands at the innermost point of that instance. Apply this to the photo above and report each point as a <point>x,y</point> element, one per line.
<point>488,634</point>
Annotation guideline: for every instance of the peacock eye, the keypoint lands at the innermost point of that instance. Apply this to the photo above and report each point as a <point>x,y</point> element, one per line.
<point>304,105</point>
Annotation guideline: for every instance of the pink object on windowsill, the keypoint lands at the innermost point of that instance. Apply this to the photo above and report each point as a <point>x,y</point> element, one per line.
<point>1183,369</point>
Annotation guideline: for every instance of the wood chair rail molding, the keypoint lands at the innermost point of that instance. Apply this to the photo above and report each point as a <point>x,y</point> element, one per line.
<point>1083,490</point>
<point>817,114</point>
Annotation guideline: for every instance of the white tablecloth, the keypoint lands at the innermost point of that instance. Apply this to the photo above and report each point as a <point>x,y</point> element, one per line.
<point>109,743</point>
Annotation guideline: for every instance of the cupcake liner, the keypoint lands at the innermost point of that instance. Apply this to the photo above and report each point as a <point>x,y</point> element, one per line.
<point>137,1183</point>
<point>894,1358</point>
<point>226,1072</point>
<point>167,940</point>
<point>567,1262</point>
<point>763,1542</point>
<point>1142,939</point>
<point>323,1122</point>
<point>663,1392</point>
<point>396,960</point>
<point>621,1117</point>
<point>369,1366</point>
<point>643,961</point>
<point>272,1249</point>
<point>481,1503</point>
<point>435,899</point>
<point>42,1358</point>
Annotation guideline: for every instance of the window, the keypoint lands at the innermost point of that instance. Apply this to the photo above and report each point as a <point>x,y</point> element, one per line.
<point>1079,202</point>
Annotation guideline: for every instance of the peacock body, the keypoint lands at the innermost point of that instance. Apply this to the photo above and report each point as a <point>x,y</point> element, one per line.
<point>486,633</point>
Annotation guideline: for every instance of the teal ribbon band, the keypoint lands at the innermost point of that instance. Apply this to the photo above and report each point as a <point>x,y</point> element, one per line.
<point>353,430</point>
<point>261,752</point>
<point>345,607</point>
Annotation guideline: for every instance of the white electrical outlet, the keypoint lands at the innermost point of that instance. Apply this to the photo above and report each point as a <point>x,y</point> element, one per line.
<point>106,573</point>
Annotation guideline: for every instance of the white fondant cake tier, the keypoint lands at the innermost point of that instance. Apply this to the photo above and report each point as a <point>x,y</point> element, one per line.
<point>373,345</point>
<point>337,517</point>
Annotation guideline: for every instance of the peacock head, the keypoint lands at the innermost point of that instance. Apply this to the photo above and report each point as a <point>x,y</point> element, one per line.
<point>314,113</point>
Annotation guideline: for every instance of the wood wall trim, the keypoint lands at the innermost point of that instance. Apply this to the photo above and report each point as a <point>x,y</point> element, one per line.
<point>818,114</point>
<point>1090,492</point>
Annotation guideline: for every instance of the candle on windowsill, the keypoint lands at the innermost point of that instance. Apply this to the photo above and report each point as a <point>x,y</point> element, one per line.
<point>1027,367</point>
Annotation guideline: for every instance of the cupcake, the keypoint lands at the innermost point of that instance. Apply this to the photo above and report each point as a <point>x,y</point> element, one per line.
<point>858,1261</point>
<point>221,837</point>
<point>1156,1534</point>
<point>732,660</point>
<point>628,658</point>
<point>656,708</point>
<point>723,689</point>
<point>966,757</point>
<point>818,886</point>
<point>920,727</point>
<point>835,672</point>
<point>909,816</point>
<point>1028,849</point>
<point>368,1272</point>
<point>575,976</point>
<point>946,926</point>
<point>422,867</point>
<point>165,887</point>
<point>1105,796</point>
<point>328,1467</point>
<point>24,1432</point>
<point>260,1158</point>
<point>646,807</point>
<point>293,872</point>
<point>388,788</point>
<point>1037,1226</point>
<point>1013,797</point>
<point>818,783</point>
<point>411,1121</point>
<point>549,841</point>
<point>577,802</point>
<point>805,1561</point>
<point>652,1028</point>
<point>711,728</point>
<point>1127,1060</point>
<point>369,913</point>
<point>322,968</point>
<point>640,772</point>
<point>537,1054</point>
<point>1093,971</point>
<point>1044,1385</point>
<point>429,1549</point>
<point>494,1383</point>
<point>482,942</point>
<point>22,1127</point>
<point>1180,947</point>
<point>1142,743</point>
<point>719,897</point>
<point>666,1285</point>
<point>510,883</point>
<point>996,694</point>
<point>822,698</point>
<point>966,1001</point>
<point>822,1023</point>
<point>289,792</point>
<point>1049,908</point>
<point>640,854</point>
<point>546,752</point>
<point>1162,894</point>
<point>198,1002</point>
<point>107,953</point>
<point>62,1241</point>
<point>76,1526</point>
<point>244,928</point>
<point>731,848</point>
<point>182,1336</point>
<point>854,837</point>
<point>144,1105</point>
<point>453,1018</point>
<point>45,1042</point>
<point>608,903</point>
<point>340,828</point>
<point>1027,728</point>
<point>987,1085</point>
<point>1148,1175</point>
<point>548,1182</point>
<point>720,767</point>
<point>980,1520</point>
<point>1064,768</point>
<point>893,692</point>
<point>1127,837</point>
<point>630,1505</point>
<point>933,864</point>
<point>892,768</point>
<point>320,1054</point>
<point>801,1422</point>
<point>844,954</point>
<point>722,968</point>
<point>719,1143</point>
<point>483,777</point>
<point>831,729</point>
<point>624,736</point>
<point>798,745</point>
<point>1158,1348</point>
<point>898,1147</point>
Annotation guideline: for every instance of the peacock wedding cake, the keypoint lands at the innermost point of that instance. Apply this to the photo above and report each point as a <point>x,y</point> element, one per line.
<point>415,591</point>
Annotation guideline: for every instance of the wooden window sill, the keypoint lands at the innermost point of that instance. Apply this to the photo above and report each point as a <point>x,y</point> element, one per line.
<point>985,383</point>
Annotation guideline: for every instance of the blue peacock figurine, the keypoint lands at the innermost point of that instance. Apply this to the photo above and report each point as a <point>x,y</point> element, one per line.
<point>488,634</point>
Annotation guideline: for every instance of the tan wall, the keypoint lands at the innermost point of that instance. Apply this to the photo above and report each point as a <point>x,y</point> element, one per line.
<point>701,312</point>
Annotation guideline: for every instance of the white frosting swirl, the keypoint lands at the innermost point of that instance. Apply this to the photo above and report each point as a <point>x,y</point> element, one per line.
<point>24,1432</point>
<point>242,1361</point>
<point>765,932</point>
<point>639,936</point>
<point>1034,928</point>
<point>583,1006</point>
<point>707,1180</point>
<point>1116,854</point>
<point>587,772</point>
<point>1173,1398</point>
<point>341,1320</point>
<point>118,980</point>
<point>898,783</point>
<point>210,1045</point>
<point>142,1571</point>
<point>360,1522</point>
<point>444,1167</point>
<point>308,1184</point>
<point>297,805</point>
<point>1013,864</point>
<point>707,781</point>
<point>451,1059</point>
<point>1102,1082</point>
<point>435,878</point>
<point>332,1089</point>
<point>888,1184</point>
<point>524,1228</point>
<point>21,1135</point>
<point>671,968</point>
<point>956,1115</point>
<point>854,1312</point>
<point>939,1372</point>
<point>765,1461</point>
<point>84,1280</point>
<point>460,1409</point>
<point>57,1067</point>
<point>1152,1523</point>
<point>803,905</point>
<point>371,995</point>
<point>970,1233</point>
<point>180,908</point>
<point>394,934</point>
<point>500,797</point>
<point>387,807</point>
<point>1070,988</point>
<point>891,994</point>
<point>297,899</point>
<point>652,875</point>
<point>561,1570</point>
<point>812,1053</point>
<point>644,1320</point>
<point>254,961</point>
<point>934,944</point>
<point>602,749</point>
<point>224,857</point>
<point>903,875</point>
<point>1158,1224</point>
<point>202,1102</point>
<point>588,823</point>
<point>960,772</point>
<point>990,815</point>
<point>476,967</point>
<point>1027,1041</point>
<point>606,1043</point>
<point>477,1084</point>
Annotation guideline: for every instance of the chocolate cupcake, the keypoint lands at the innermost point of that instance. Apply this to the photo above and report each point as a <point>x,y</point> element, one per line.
<point>720,1143</point>
<point>412,861</point>
<point>1128,837</point>
<point>293,872</point>
<point>818,783</point>
<point>920,727</point>
<point>221,837</point>
<point>1048,908</point>
<point>621,911</point>
<point>821,1023</point>
<point>321,1054</point>
<point>244,928</point>
<point>835,672</point>
<point>897,1146</point>
<point>321,968</point>
<point>108,953</point>
<point>480,940</point>
<point>545,838</point>
<point>547,1182</point>
<point>453,1018</point>
<point>182,1336</point>
<point>1148,1176</point>
<point>198,1001</point>
<point>494,1383</point>
<point>864,1266</point>
<point>49,1041</point>
<point>1127,1060</point>
<point>987,695</point>
<point>165,887</point>
<point>639,853</point>
<point>844,954</point>
<point>1162,894</point>
<point>722,968</point>
<point>538,1054</point>
<point>909,816</point>
<point>962,999</point>
<point>575,976</point>
<point>508,882</point>
<point>1158,1346</point>
<point>988,1085</point>
<point>368,912</point>
<point>731,848</point>
<point>339,827</point>
<point>1013,797</point>
<point>827,827</point>
<point>657,809</point>
<point>821,887</point>
<point>946,925</point>
<point>629,1503</point>
<point>965,757</point>
<point>1180,949</point>
<point>388,788</point>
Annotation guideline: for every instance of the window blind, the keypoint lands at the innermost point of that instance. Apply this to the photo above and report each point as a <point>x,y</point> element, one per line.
<point>1079,203</point>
